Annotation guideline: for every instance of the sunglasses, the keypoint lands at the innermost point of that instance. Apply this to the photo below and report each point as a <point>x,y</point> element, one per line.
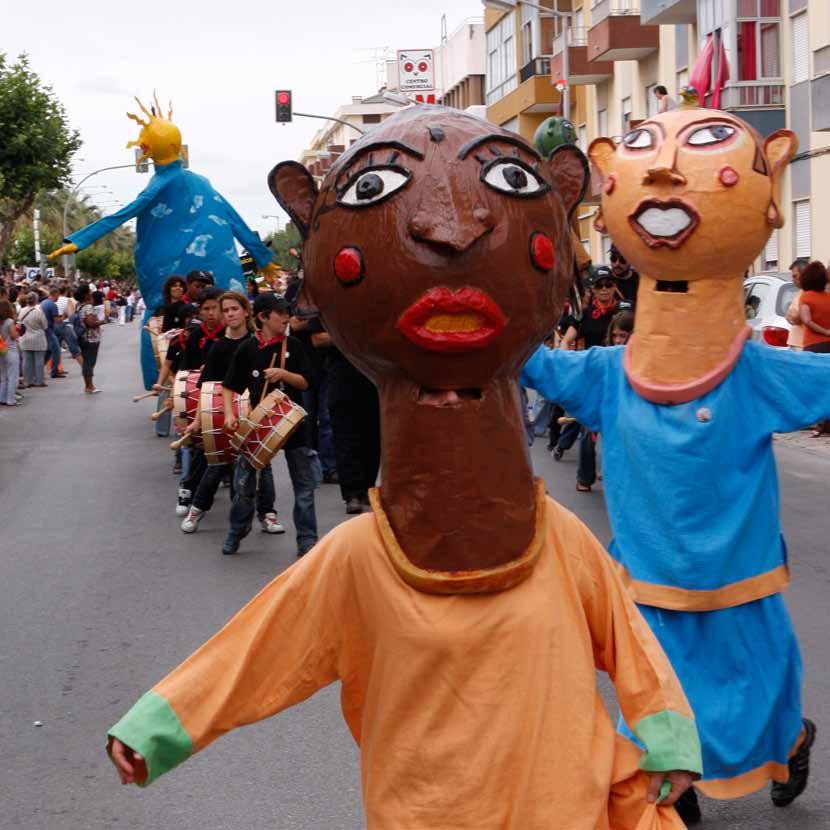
<point>618,258</point>
<point>604,284</point>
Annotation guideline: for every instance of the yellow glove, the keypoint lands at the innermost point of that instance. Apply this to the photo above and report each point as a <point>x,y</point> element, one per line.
<point>69,248</point>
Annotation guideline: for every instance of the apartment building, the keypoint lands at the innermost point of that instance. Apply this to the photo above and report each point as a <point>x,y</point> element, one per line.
<point>768,62</point>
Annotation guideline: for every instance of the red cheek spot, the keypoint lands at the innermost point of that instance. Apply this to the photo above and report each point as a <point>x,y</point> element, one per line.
<point>348,266</point>
<point>610,184</point>
<point>541,251</point>
<point>728,176</point>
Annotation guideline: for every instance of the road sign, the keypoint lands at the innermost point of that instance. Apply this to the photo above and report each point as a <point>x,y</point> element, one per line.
<point>416,70</point>
<point>141,166</point>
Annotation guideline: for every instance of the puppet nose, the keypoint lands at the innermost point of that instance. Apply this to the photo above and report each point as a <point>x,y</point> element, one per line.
<point>448,219</point>
<point>665,168</point>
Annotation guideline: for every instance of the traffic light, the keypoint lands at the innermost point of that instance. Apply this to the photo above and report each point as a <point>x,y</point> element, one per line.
<point>283,98</point>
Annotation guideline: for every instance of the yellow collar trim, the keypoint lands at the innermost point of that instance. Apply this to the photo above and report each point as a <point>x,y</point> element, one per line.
<point>485,581</point>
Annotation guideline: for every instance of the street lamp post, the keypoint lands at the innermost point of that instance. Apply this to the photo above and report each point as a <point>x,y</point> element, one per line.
<point>512,5</point>
<point>71,196</point>
<point>273,216</point>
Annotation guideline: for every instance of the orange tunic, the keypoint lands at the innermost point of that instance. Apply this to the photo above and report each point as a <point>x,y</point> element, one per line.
<point>471,711</point>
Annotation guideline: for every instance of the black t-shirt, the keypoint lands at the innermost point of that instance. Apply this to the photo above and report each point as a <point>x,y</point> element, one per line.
<point>175,353</point>
<point>219,358</point>
<point>594,325</point>
<point>628,287</point>
<point>175,315</point>
<point>247,369</point>
<point>199,344</point>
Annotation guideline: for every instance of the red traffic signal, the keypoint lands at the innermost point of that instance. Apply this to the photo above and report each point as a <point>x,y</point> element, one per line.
<point>283,101</point>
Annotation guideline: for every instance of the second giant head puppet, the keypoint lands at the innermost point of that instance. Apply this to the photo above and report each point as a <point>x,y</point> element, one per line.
<point>690,197</point>
<point>437,250</point>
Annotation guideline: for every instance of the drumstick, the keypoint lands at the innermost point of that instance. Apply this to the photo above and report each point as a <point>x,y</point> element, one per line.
<point>158,413</point>
<point>150,394</point>
<point>273,357</point>
<point>180,442</point>
<point>265,388</point>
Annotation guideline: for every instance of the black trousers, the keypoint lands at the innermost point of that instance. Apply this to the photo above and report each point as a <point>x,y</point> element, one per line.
<point>355,421</point>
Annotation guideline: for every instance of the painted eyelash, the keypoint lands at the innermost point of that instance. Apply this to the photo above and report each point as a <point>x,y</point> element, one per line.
<point>368,161</point>
<point>495,150</point>
<point>394,157</point>
<point>481,159</point>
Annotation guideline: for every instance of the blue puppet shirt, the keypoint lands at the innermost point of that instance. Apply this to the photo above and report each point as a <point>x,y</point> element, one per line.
<point>183,224</point>
<point>692,490</point>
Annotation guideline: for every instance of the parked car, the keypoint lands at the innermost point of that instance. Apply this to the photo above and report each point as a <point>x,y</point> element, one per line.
<point>766,300</point>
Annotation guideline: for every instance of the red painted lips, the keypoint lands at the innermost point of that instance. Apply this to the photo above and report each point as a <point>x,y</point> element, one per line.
<point>443,320</point>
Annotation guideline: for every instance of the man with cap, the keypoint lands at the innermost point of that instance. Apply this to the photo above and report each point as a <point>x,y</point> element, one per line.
<point>628,280</point>
<point>255,364</point>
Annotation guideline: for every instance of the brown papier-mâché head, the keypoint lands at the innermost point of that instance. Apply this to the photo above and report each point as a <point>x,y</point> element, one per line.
<point>437,246</point>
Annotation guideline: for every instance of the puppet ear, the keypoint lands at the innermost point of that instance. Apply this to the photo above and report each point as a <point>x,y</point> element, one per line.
<point>569,169</point>
<point>779,148</point>
<point>601,152</point>
<point>296,191</point>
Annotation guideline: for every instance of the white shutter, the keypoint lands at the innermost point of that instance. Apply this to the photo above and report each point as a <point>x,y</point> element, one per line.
<point>801,49</point>
<point>771,251</point>
<point>803,229</point>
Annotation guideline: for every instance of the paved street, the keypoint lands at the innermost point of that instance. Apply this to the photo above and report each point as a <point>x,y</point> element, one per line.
<point>101,594</point>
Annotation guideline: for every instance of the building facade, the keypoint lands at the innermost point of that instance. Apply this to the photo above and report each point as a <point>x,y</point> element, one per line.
<point>768,61</point>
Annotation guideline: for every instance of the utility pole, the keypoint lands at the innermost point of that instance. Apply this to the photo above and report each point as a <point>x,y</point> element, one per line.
<point>36,229</point>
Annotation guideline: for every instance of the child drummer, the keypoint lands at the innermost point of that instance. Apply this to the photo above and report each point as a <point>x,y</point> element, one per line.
<point>256,367</point>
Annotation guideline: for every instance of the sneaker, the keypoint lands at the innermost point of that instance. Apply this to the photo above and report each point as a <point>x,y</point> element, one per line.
<point>558,452</point>
<point>330,477</point>
<point>688,808</point>
<point>191,522</point>
<point>269,524</point>
<point>799,765</point>
<point>183,504</point>
<point>354,506</point>
<point>230,545</point>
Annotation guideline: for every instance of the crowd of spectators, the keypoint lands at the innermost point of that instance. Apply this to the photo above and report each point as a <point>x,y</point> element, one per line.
<point>46,322</point>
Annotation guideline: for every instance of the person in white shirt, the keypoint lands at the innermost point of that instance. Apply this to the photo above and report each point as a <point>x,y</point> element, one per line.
<point>664,101</point>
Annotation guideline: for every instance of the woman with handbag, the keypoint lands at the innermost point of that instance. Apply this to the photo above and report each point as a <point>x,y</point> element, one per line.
<point>33,344</point>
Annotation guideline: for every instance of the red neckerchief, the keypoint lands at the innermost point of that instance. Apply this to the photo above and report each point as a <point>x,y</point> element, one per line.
<point>264,344</point>
<point>181,338</point>
<point>601,310</point>
<point>213,336</point>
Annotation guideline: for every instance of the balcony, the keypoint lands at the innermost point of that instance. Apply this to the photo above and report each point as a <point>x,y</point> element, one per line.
<point>618,34</point>
<point>759,103</point>
<point>668,12</point>
<point>537,66</point>
<point>500,91</point>
<point>581,71</point>
<point>820,94</point>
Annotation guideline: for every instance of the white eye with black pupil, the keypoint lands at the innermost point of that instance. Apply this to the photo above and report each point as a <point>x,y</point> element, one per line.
<point>509,177</point>
<point>373,186</point>
<point>638,140</point>
<point>710,135</point>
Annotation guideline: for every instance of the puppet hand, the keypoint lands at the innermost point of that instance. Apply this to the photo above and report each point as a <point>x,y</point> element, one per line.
<point>69,248</point>
<point>679,781</point>
<point>130,765</point>
<point>272,273</point>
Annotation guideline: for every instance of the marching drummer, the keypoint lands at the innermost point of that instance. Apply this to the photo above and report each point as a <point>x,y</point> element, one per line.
<point>256,367</point>
<point>239,327</point>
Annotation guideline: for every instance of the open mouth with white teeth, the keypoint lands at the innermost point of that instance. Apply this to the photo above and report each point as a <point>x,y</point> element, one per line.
<point>664,224</point>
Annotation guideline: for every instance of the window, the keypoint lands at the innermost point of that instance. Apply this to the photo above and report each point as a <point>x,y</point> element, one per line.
<point>602,122</point>
<point>582,137</point>
<point>625,109</point>
<point>530,33</point>
<point>606,248</point>
<point>755,297</point>
<point>682,79</point>
<point>759,49</point>
<point>803,229</point>
<point>771,252</point>
<point>681,47</point>
<point>371,118</point>
<point>801,49</point>
<point>501,59</point>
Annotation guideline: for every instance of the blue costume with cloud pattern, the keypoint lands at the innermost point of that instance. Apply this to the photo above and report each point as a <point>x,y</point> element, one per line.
<point>183,225</point>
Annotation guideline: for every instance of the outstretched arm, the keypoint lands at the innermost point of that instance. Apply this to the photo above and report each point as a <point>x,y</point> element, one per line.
<point>247,238</point>
<point>277,651</point>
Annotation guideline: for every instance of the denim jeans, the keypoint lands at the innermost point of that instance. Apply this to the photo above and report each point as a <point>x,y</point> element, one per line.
<point>163,423</point>
<point>33,364</point>
<point>586,471</point>
<point>9,374</point>
<point>209,484</point>
<point>251,494</point>
<point>306,475</point>
<point>53,352</point>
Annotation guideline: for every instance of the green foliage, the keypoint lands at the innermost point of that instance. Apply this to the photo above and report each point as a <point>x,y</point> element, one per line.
<point>37,142</point>
<point>95,262</point>
<point>281,241</point>
<point>22,248</point>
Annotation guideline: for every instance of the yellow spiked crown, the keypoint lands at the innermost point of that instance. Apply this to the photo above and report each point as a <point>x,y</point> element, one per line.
<point>159,139</point>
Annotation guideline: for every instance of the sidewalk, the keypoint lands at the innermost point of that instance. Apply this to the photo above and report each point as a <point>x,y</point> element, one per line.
<point>803,439</point>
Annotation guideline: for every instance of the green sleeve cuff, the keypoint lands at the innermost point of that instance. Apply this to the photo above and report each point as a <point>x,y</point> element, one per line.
<point>153,729</point>
<point>671,743</point>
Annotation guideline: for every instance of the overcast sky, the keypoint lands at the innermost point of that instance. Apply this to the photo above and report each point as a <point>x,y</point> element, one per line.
<point>220,65</point>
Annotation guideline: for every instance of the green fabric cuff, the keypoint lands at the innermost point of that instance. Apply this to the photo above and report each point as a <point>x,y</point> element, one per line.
<point>153,729</point>
<point>671,743</point>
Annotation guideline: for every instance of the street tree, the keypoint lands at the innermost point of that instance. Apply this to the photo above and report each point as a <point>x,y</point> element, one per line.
<point>37,146</point>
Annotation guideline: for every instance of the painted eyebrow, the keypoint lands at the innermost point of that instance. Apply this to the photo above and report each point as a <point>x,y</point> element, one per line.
<point>643,124</point>
<point>727,121</point>
<point>506,139</point>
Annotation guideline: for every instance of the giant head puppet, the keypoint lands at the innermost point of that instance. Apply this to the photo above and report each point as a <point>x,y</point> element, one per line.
<point>690,197</point>
<point>183,224</point>
<point>438,252</point>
